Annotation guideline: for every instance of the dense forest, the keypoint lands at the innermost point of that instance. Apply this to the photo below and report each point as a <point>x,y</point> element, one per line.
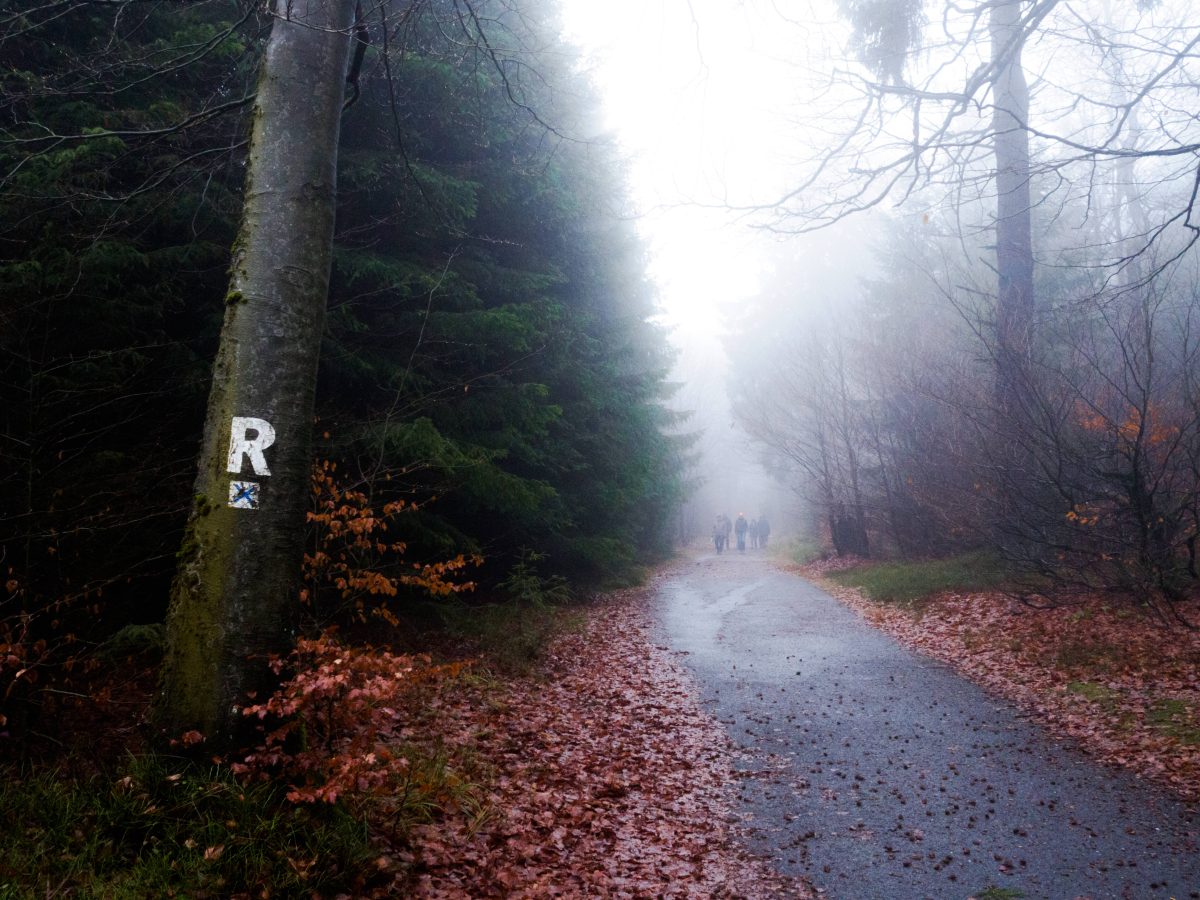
<point>489,385</point>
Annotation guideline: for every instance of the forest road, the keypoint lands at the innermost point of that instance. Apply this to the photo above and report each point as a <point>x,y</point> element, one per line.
<point>878,774</point>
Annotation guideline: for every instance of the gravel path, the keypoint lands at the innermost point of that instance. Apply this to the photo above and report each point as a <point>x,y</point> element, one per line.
<point>877,773</point>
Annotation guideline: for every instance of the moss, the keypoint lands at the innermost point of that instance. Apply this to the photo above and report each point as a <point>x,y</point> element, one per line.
<point>235,296</point>
<point>1096,693</point>
<point>192,691</point>
<point>1175,719</point>
<point>189,546</point>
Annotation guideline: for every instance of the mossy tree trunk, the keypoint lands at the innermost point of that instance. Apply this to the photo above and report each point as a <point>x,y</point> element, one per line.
<point>234,596</point>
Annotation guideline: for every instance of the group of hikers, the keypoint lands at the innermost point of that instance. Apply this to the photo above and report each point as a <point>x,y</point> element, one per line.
<point>757,530</point>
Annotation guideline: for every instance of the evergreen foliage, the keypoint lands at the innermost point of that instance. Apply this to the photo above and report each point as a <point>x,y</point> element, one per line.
<point>489,299</point>
<point>118,190</point>
<point>488,342</point>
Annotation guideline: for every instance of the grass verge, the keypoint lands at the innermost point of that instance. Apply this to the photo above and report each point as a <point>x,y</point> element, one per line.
<point>909,583</point>
<point>160,828</point>
<point>803,551</point>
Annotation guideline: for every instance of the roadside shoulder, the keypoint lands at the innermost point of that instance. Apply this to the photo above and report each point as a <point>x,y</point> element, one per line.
<point>1124,689</point>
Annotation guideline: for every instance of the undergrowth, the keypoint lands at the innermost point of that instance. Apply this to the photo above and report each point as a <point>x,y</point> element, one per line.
<point>804,551</point>
<point>158,827</point>
<point>514,633</point>
<point>909,583</point>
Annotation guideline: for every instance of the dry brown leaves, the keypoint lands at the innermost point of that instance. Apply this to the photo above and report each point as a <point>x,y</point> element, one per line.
<point>1124,687</point>
<point>821,567</point>
<point>607,780</point>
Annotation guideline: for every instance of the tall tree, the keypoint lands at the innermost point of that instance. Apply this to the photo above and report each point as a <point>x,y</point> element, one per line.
<point>234,594</point>
<point>119,194</point>
<point>1014,234</point>
<point>488,341</point>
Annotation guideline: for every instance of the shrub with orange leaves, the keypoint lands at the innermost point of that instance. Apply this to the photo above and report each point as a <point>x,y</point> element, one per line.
<point>332,730</point>
<point>335,725</point>
<point>352,557</point>
<point>1131,426</point>
<point>1115,507</point>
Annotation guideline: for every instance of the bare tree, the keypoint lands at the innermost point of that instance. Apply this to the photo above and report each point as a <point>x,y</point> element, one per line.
<point>1110,502</point>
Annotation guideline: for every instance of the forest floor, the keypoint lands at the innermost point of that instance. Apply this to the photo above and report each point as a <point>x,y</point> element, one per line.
<point>604,777</point>
<point>638,759</point>
<point>1121,684</point>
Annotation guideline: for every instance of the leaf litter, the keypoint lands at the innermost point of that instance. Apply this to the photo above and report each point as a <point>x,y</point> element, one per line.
<point>1125,688</point>
<point>604,778</point>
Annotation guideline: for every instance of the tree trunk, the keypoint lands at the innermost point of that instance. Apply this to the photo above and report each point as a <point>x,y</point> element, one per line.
<point>234,595</point>
<point>1014,241</point>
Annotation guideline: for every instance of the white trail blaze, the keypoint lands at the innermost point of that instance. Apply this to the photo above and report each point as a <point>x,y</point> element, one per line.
<point>252,447</point>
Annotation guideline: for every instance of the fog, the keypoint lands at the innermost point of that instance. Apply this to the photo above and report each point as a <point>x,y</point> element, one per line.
<point>701,97</point>
<point>923,265</point>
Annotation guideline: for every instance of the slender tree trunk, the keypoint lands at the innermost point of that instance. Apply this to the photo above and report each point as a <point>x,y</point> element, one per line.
<point>859,520</point>
<point>1014,240</point>
<point>234,596</point>
<point>1012,461</point>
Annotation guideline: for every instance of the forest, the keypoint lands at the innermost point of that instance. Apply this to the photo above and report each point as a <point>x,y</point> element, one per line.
<point>486,364</point>
<point>1015,368</point>
<point>489,415</point>
<point>342,441</point>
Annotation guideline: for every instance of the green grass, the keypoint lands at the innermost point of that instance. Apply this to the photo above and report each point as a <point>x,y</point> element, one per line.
<point>1176,719</point>
<point>158,828</point>
<point>804,551</point>
<point>906,583</point>
<point>1097,693</point>
<point>1107,700</point>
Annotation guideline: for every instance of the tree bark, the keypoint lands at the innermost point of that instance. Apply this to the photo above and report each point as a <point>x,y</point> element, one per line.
<point>1014,240</point>
<point>234,596</point>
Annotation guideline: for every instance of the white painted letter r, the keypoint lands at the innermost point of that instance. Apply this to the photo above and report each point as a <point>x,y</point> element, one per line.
<point>240,445</point>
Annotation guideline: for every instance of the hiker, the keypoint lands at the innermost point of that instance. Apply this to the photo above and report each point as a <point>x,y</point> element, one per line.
<point>753,534</point>
<point>764,530</point>
<point>728,530</point>
<point>719,533</point>
<point>739,528</point>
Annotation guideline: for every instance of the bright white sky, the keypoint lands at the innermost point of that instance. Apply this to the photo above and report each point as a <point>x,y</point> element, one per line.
<point>704,98</point>
<point>700,95</point>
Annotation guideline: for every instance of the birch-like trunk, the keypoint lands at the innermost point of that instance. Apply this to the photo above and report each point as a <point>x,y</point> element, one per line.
<point>235,592</point>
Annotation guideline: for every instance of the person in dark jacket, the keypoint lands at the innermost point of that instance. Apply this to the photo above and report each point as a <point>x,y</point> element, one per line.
<point>719,533</point>
<point>739,528</point>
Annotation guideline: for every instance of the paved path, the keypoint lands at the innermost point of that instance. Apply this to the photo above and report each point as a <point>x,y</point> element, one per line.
<point>877,773</point>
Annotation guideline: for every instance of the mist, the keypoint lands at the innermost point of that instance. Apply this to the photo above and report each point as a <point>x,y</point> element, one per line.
<point>910,265</point>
